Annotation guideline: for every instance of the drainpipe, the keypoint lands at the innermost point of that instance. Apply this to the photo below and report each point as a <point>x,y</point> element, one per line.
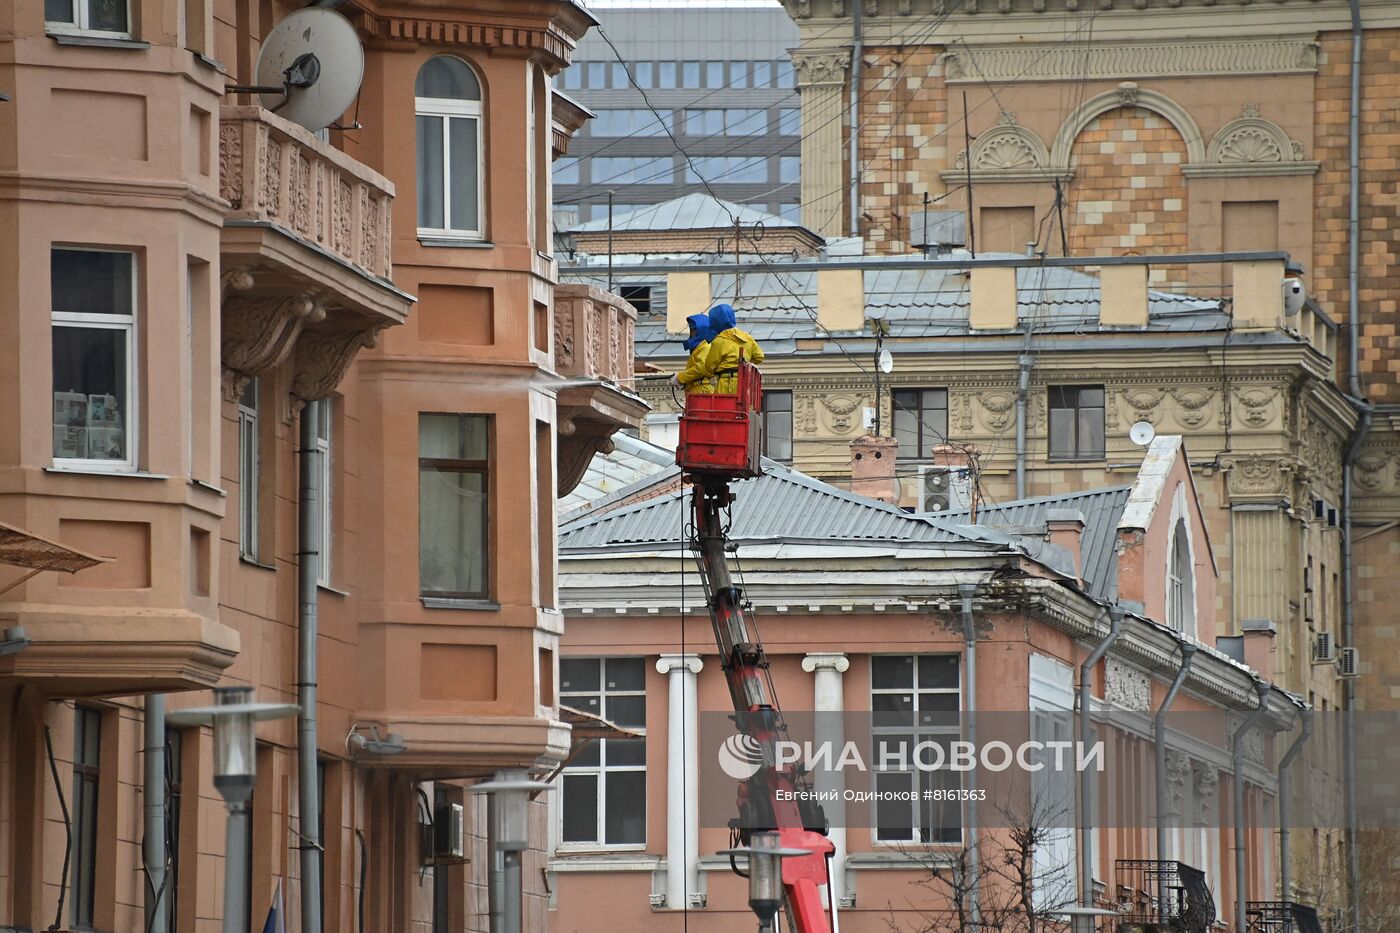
<point>1261,689</point>
<point>1086,777</point>
<point>308,570</point>
<point>1354,383</point>
<point>1022,392</point>
<point>153,801</point>
<point>857,53</point>
<point>966,591</point>
<point>1286,872</point>
<point>1159,739</point>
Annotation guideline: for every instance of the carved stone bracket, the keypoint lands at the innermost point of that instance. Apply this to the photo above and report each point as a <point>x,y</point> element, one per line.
<point>258,333</point>
<point>323,356</point>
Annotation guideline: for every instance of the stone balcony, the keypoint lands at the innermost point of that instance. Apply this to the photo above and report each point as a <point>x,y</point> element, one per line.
<point>305,253</point>
<point>593,351</point>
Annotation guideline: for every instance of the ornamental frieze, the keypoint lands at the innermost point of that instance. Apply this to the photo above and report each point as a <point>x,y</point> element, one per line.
<point>1256,407</point>
<point>842,412</point>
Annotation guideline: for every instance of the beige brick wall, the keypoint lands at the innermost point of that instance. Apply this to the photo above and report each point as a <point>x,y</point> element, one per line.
<point>1379,342</point>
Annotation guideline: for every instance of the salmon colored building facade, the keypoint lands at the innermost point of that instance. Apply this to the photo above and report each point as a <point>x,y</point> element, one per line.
<point>209,313</point>
<point>860,607</point>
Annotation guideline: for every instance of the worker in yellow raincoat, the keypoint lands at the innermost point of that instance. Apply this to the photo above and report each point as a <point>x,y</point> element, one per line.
<point>727,343</point>
<point>698,343</point>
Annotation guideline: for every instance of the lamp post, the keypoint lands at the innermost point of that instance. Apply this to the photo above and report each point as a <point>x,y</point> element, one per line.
<point>510,792</point>
<point>234,716</point>
<point>765,854</point>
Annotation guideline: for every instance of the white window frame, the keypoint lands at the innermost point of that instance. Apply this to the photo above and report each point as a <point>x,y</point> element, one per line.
<point>919,733</point>
<point>125,323</point>
<point>602,768</point>
<point>1181,613</point>
<point>325,416</point>
<point>249,466</point>
<point>446,109</point>
<point>82,15</point>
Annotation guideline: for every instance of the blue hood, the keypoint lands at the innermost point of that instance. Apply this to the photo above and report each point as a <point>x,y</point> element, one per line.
<point>721,318</point>
<point>701,324</point>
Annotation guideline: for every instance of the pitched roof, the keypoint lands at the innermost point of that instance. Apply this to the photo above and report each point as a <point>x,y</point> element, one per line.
<point>630,461</point>
<point>696,211</point>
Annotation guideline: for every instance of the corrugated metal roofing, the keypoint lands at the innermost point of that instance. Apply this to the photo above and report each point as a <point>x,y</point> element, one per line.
<point>688,212</point>
<point>781,505</point>
<point>1101,509</point>
<point>631,460</point>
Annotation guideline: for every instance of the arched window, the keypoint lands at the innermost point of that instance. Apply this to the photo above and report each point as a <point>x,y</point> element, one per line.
<point>450,166</point>
<point>1181,583</point>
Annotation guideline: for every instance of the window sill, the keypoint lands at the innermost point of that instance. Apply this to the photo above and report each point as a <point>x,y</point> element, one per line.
<point>254,562</point>
<point>927,853</point>
<point>209,487</point>
<point>1088,459</point>
<point>96,41</point>
<point>330,588</point>
<point>206,61</point>
<point>566,861</point>
<point>450,242</point>
<point>93,471</point>
<point>448,602</point>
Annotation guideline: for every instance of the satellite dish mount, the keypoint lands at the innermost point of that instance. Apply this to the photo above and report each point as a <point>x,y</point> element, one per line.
<point>316,55</point>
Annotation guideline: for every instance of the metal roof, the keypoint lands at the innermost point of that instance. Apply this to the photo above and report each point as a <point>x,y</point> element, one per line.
<point>781,505</point>
<point>688,212</point>
<point>631,460</point>
<point>1101,509</point>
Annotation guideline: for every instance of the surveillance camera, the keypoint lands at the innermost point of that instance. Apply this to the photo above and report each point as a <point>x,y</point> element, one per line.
<point>1294,295</point>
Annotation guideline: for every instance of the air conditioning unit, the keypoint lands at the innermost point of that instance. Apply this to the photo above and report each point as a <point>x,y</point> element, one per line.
<point>944,489</point>
<point>1324,649</point>
<point>1349,663</point>
<point>444,839</point>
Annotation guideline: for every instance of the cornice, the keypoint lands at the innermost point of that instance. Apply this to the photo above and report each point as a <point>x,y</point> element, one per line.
<point>550,36</point>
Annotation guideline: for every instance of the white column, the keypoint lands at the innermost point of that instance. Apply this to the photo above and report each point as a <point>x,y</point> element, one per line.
<point>682,763</point>
<point>828,703</point>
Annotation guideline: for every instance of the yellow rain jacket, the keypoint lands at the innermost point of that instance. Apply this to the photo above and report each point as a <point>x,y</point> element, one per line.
<point>722,361</point>
<point>690,377</point>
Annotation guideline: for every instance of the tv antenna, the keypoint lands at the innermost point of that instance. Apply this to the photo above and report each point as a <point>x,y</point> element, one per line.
<point>309,69</point>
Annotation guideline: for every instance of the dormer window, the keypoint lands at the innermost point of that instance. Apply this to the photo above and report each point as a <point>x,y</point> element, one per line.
<point>1181,582</point>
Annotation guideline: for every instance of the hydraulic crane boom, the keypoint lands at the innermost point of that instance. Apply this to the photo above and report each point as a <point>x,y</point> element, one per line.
<point>719,444</point>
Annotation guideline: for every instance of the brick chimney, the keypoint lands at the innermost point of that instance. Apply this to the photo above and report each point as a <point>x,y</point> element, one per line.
<point>873,461</point>
<point>1065,528</point>
<point>1259,645</point>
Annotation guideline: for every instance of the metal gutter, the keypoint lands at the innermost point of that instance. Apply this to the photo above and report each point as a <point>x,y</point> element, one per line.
<point>965,592</point>
<point>1285,866</point>
<point>309,504</point>
<point>153,849</point>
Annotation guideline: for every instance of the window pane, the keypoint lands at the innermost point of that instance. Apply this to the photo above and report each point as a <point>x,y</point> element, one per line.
<point>894,819</point>
<point>892,671</point>
<point>627,710</point>
<point>58,11</point>
<point>938,671</point>
<point>107,15</point>
<point>566,172</point>
<point>789,121</point>
<point>667,74</point>
<point>462,148</point>
<point>430,189</point>
<point>714,74</point>
<point>451,532</point>
<point>745,122</point>
<point>625,752</point>
<point>572,78</point>
<point>448,78</point>
<point>739,74</point>
<point>786,78</point>
<point>89,393</point>
<point>762,74</point>
<point>644,73</point>
<point>1061,432</point>
<point>578,674</point>
<point>626,674</point>
<point>452,437</point>
<point>619,76</point>
<point>1090,395</point>
<point>591,754</point>
<point>789,169</point>
<point>892,710</point>
<point>625,806</point>
<point>580,806</point>
<point>1091,432</point>
<point>597,74</point>
<point>91,282</point>
<point>690,75</point>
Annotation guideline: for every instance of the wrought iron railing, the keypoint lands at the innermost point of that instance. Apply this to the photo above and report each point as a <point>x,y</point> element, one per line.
<point>1163,896</point>
<point>1281,917</point>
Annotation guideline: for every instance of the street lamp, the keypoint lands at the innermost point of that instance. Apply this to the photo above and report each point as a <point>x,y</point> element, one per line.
<point>765,854</point>
<point>509,794</point>
<point>234,716</point>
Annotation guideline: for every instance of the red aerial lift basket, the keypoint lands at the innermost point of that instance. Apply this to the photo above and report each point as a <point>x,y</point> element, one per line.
<point>720,433</point>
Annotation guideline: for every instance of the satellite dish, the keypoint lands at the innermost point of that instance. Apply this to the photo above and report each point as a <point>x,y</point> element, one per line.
<point>316,56</point>
<point>886,362</point>
<point>1142,433</point>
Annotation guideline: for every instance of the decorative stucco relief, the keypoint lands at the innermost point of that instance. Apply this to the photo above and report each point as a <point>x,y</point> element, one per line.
<point>842,412</point>
<point>1130,60</point>
<point>1178,774</point>
<point>1125,687</point>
